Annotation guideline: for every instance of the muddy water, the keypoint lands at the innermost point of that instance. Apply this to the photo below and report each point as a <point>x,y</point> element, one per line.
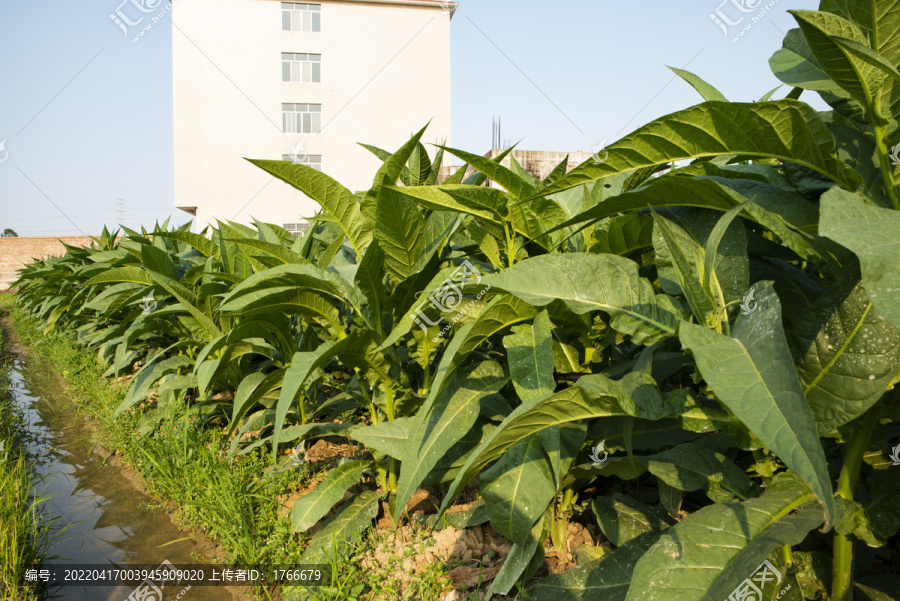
<point>108,520</point>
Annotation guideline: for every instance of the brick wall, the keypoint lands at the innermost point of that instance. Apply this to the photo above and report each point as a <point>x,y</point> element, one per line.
<point>15,253</point>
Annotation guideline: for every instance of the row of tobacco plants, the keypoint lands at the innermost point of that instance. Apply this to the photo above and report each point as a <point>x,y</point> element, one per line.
<point>713,306</point>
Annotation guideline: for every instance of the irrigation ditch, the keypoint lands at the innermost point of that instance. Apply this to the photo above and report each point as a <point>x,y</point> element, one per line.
<point>93,508</point>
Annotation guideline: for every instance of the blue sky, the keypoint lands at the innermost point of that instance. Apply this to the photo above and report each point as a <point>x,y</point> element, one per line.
<point>87,114</point>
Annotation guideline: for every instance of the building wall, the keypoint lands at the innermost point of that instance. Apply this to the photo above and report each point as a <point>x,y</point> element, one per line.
<point>15,253</point>
<point>385,74</point>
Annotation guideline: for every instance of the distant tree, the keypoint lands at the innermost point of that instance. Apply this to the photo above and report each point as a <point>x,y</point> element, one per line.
<point>9,233</point>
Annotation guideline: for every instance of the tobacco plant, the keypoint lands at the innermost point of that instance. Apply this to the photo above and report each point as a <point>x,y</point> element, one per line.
<point>714,307</point>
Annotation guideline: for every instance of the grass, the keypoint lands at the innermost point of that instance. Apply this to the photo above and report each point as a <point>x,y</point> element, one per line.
<point>24,533</point>
<point>235,502</point>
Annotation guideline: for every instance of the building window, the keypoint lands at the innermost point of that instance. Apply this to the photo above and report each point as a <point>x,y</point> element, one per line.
<point>300,16</point>
<point>301,118</point>
<point>296,228</point>
<point>304,68</point>
<point>310,160</point>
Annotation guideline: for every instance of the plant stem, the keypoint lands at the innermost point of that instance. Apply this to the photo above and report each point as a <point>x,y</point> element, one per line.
<point>389,393</point>
<point>510,246</point>
<point>393,466</point>
<point>787,556</point>
<point>842,573</point>
<point>887,172</point>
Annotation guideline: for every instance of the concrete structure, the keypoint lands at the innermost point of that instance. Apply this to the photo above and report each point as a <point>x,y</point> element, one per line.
<point>15,253</point>
<point>260,78</point>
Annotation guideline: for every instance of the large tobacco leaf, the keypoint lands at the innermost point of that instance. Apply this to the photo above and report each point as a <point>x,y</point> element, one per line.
<point>847,353</point>
<point>452,415</point>
<point>752,373</point>
<point>708,554</point>
<point>587,282</point>
<point>784,129</point>
<point>871,233</point>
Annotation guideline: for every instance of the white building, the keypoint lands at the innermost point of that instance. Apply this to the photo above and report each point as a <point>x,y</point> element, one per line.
<point>267,79</point>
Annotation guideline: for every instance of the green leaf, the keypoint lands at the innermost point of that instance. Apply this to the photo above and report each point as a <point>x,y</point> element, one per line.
<point>122,274</point>
<point>443,424</point>
<point>783,129</point>
<point>516,185</point>
<point>860,80</point>
<point>679,256</point>
<point>796,66</point>
<point>709,553</point>
<point>587,282</point>
<point>879,21</point>
<point>369,279</point>
<point>519,488</point>
<point>158,261</point>
<point>529,351</point>
<point>707,91</point>
<point>149,375</point>
<point>338,202</point>
<point>785,213</point>
<point>312,507</point>
<point>399,229</point>
<point>278,251</point>
<point>302,365</point>
<point>883,508</point>
<point>201,243</point>
<point>393,165</point>
<point>607,580</point>
<point>877,588</point>
<point>499,314</point>
<point>871,233</point>
<point>339,531</point>
<point>566,406</point>
<point>419,166</point>
<point>752,373</point>
<point>624,235</point>
<point>442,198</point>
<point>864,53</point>
<point>637,393</point>
<point>712,258</point>
<point>248,393</point>
<point>689,467</point>
<point>670,498</point>
<point>389,438</point>
<point>848,354</point>
<point>623,519</point>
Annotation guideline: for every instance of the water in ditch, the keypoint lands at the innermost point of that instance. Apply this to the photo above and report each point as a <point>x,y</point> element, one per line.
<point>101,517</point>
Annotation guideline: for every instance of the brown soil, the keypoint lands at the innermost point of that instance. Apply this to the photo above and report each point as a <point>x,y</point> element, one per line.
<point>327,451</point>
<point>472,557</point>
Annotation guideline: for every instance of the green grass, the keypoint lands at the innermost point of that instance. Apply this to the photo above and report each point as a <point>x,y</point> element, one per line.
<point>24,533</point>
<point>233,502</point>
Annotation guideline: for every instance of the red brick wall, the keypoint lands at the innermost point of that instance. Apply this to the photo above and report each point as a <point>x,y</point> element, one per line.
<point>15,253</point>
